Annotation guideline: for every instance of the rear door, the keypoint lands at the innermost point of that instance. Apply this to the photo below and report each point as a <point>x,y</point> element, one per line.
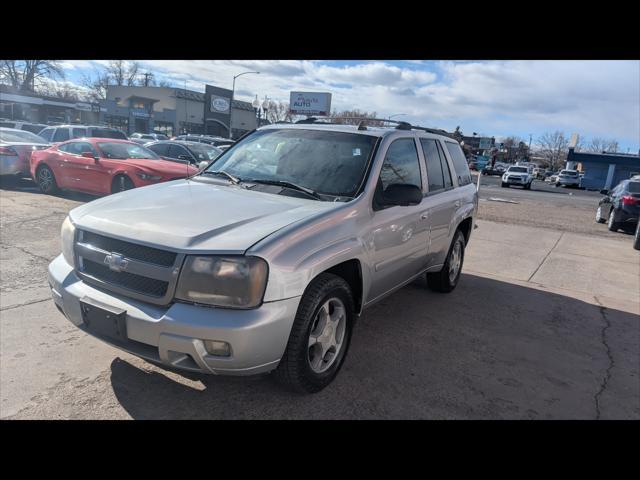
<point>441,200</point>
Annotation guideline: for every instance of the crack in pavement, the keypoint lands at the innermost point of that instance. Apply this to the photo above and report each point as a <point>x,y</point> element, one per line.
<point>11,307</point>
<point>23,250</point>
<point>607,375</point>
<point>546,256</point>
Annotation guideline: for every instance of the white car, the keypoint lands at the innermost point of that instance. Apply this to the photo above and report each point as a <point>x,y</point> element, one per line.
<point>568,178</point>
<point>517,175</point>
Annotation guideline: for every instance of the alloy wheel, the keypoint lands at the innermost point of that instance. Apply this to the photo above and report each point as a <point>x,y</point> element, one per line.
<point>45,179</point>
<point>327,335</point>
<point>455,261</point>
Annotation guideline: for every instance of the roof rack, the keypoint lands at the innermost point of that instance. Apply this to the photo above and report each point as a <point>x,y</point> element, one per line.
<point>400,125</point>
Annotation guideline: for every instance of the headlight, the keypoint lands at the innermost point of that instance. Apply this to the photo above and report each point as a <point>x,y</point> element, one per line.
<point>151,178</point>
<point>223,281</point>
<point>67,236</point>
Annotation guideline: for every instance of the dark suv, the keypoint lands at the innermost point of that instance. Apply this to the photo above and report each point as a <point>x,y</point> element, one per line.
<point>621,206</point>
<point>62,133</point>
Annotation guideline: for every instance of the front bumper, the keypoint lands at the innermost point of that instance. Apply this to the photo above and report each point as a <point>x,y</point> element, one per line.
<point>515,181</point>
<point>11,165</point>
<point>174,335</point>
<point>569,182</point>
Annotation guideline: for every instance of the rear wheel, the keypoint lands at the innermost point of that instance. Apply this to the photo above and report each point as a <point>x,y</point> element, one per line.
<point>612,224</point>
<point>121,183</point>
<point>46,180</point>
<point>636,241</point>
<point>446,279</point>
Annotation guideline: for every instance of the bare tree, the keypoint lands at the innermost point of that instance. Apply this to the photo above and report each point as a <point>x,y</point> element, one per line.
<point>62,90</point>
<point>96,85</point>
<point>553,147</point>
<point>278,111</point>
<point>26,74</point>
<point>338,117</point>
<point>117,72</point>
<point>599,145</point>
<point>123,73</point>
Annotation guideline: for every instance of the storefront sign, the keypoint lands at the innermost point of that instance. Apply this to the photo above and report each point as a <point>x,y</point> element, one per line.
<point>219,104</point>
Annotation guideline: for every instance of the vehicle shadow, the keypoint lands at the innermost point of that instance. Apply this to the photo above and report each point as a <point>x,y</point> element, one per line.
<point>490,349</point>
<point>27,185</point>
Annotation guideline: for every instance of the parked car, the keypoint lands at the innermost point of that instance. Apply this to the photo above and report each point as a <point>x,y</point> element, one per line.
<point>143,138</point>
<point>62,133</point>
<point>197,154</point>
<point>620,207</point>
<point>16,147</point>
<point>539,173</point>
<point>265,259</point>
<point>101,166</point>
<point>28,126</point>
<point>517,175</point>
<point>215,141</point>
<point>496,170</point>
<point>568,178</point>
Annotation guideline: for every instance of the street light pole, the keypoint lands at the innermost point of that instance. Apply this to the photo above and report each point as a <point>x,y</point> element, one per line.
<point>233,91</point>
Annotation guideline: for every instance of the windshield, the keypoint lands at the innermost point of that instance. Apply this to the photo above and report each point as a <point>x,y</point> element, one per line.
<point>202,151</point>
<point>332,163</point>
<point>20,136</point>
<point>118,150</point>
<point>518,169</point>
<point>571,173</point>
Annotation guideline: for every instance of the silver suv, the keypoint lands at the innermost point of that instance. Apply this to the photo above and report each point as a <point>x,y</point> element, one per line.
<point>264,260</point>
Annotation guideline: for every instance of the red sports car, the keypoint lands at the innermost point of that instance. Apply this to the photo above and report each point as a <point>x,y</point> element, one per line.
<point>102,166</point>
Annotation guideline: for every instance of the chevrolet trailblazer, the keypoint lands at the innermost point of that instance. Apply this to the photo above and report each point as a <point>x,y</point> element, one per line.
<point>264,260</point>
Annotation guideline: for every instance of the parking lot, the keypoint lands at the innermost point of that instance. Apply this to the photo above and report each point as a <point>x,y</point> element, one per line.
<point>544,325</point>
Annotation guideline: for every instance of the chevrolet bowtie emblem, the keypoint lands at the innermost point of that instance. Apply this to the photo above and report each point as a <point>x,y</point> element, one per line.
<point>116,262</point>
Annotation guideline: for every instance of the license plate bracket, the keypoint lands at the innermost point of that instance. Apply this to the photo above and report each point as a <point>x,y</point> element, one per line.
<point>104,320</point>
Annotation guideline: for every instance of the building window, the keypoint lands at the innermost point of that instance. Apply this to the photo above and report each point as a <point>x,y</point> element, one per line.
<point>166,128</point>
<point>116,121</point>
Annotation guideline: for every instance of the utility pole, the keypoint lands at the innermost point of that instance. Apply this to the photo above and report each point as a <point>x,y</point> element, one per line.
<point>146,78</point>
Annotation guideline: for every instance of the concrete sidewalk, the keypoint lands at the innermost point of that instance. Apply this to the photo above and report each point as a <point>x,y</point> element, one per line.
<point>590,268</point>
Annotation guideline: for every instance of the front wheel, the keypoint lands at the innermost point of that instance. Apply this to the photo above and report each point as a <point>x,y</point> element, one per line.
<point>446,279</point>
<point>320,336</point>
<point>121,183</point>
<point>599,217</point>
<point>505,185</point>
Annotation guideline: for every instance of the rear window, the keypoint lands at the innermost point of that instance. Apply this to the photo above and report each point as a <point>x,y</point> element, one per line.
<point>571,173</point>
<point>518,169</point>
<point>107,133</point>
<point>46,134</point>
<point>634,187</point>
<point>20,136</point>
<point>459,163</point>
<point>32,128</point>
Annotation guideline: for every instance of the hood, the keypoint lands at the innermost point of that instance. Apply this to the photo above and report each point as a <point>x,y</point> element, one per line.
<point>164,167</point>
<point>194,216</point>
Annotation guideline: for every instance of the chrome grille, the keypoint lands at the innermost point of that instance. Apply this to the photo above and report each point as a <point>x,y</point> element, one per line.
<point>146,273</point>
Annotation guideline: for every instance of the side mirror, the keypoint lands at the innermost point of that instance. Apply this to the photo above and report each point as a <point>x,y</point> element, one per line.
<point>203,164</point>
<point>90,155</point>
<point>402,194</point>
<point>604,191</point>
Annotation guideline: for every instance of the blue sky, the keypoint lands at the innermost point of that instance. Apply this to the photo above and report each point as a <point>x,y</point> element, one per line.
<point>500,98</point>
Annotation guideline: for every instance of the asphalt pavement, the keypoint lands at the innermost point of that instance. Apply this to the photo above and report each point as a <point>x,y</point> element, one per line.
<point>544,325</point>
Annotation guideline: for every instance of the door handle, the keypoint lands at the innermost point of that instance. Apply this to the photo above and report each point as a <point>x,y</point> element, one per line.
<point>424,215</point>
<point>457,204</point>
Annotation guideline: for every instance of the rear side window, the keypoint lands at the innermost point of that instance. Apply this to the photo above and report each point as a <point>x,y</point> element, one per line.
<point>46,134</point>
<point>61,135</point>
<point>459,163</point>
<point>438,173</point>
<point>634,187</point>
<point>176,150</point>
<point>107,133</point>
<point>401,164</point>
<point>78,132</point>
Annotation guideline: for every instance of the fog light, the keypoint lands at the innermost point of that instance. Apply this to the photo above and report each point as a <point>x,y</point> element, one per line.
<point>217,348</point>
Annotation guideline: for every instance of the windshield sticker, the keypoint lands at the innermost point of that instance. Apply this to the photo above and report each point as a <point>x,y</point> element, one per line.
<point>356,152</point>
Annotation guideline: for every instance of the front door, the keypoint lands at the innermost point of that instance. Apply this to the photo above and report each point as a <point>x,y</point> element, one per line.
<point>399,235</point>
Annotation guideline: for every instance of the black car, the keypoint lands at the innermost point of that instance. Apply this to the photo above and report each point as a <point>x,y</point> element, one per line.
<point>181,151</point>
<point>621,206</point>
<point>496,170</point>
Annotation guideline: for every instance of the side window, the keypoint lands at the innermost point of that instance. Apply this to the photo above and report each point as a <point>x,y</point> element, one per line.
<point>161,149</point>
<point>78,132</point>
<point>66,148</point>
<point>446,171</point>
<point>401,164</point>
<point>61,135</point>
<point>82,147</point>
<point>437,167</point>
<point>176,150</point>
<point>46,134</point>
<point>459,163</point>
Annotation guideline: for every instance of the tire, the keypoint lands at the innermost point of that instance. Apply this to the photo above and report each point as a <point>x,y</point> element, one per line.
<point>46,180</point>
<point>636,240</point>
<point>442,281</point>
<point>302,368</point>
<point>527,186</point>
<point>505,185</point>
<point>611,223</point>
<point>599,217</point>
<point>121,183</point>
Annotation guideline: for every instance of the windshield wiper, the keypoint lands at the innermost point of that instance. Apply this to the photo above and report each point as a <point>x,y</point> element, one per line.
<point>284,183</point>
<point>234,180</point>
